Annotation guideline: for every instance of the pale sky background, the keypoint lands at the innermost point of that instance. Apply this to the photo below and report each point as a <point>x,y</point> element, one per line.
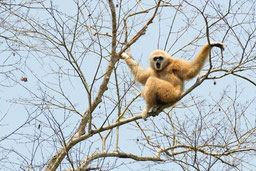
<point>12,116</point>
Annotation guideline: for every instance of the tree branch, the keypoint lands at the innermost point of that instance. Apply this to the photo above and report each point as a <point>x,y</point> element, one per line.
<point>98,155</point>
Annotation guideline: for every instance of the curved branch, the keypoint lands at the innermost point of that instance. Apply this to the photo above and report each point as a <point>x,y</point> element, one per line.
<point>98,155</point>
<point>80,135</point>
<point>87,117</point>
<point>139,33</point>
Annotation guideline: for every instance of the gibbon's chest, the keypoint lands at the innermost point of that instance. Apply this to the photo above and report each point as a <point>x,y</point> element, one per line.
<point>170,75</point>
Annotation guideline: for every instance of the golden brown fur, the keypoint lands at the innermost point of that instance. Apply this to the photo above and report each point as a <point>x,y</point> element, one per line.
<point>164,79</point>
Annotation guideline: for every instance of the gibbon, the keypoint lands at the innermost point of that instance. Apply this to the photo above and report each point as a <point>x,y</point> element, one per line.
<point>164,79</point>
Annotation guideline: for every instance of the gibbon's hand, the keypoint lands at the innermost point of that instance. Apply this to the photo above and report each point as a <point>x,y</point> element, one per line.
<point>125,56</point>
<point>218,44</point>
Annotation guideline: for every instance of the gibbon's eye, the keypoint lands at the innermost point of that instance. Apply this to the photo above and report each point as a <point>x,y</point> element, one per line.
<point>160,58</point>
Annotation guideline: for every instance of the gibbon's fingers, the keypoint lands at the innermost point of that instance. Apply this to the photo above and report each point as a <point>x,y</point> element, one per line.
<point>129,52</point>
<point>218,44</point>
<point>124,56</point>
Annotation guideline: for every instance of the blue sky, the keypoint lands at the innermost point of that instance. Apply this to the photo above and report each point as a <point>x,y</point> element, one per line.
<point>20,104</point>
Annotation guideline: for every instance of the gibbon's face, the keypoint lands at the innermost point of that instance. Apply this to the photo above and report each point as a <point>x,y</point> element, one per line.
<point>158,60</point>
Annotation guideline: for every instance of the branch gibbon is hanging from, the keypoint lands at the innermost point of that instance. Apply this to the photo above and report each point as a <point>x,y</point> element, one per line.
<point>164,79</point>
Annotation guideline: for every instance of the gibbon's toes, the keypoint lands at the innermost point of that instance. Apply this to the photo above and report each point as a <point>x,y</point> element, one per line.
<point>144,114</point>
<point>155,108</point>
<point>124,56</point>
<point>218,44</point>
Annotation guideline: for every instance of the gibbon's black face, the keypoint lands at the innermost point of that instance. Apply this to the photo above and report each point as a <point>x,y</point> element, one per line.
<point>158,62</point>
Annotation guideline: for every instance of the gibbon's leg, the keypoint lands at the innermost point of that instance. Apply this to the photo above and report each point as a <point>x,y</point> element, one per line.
<point>157,90</point>
<point>149,96</point>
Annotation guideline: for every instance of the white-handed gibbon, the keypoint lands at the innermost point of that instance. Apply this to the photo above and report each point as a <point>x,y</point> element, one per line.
<point>164,79</point>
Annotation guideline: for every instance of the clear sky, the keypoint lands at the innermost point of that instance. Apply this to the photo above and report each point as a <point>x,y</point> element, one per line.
<point>23,114</point>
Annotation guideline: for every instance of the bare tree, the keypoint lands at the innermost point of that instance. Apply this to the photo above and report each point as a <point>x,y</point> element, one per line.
<point>70,102</point>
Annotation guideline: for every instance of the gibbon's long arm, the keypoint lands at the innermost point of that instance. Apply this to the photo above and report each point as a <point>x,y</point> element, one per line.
<point>141,75</point>
<point>192,69</point>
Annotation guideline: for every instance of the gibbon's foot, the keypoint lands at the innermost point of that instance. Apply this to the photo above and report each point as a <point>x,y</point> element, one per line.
<point>144,114</point>
<point>152,112</point>
<point>155,108</point>
<point>218,44</point>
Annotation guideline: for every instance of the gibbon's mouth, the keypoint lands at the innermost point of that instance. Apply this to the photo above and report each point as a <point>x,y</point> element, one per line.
<point>158,65</point>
